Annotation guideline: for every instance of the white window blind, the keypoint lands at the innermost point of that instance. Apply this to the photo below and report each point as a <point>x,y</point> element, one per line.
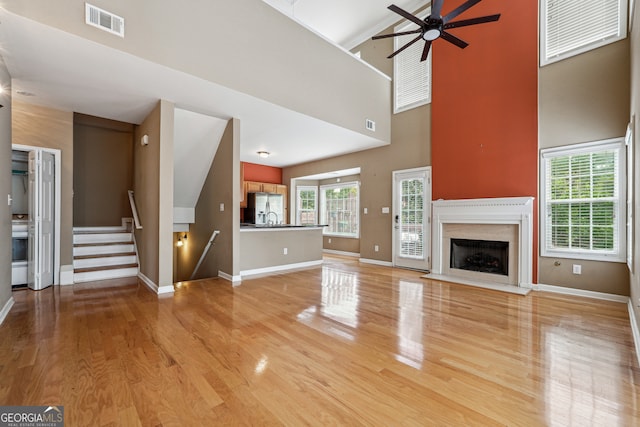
<point>570,27</point>
<point>307,205</point>
<point>339,209</point>
<point>411,77</point>
<point>584,201</point>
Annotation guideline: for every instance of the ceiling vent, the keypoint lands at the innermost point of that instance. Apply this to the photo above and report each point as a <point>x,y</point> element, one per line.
<point>104,20</point>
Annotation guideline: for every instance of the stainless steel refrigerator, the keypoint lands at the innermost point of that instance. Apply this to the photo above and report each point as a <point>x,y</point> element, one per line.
<point>264,209</point>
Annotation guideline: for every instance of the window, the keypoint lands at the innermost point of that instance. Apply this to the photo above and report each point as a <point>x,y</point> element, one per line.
<point>307,205</point>
<point>412,78</point>
<point>583,206</point>
<point>339,209</point>
<point>570,27</point>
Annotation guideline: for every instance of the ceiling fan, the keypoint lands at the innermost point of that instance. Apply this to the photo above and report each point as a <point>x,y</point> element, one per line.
<point>434,26</point>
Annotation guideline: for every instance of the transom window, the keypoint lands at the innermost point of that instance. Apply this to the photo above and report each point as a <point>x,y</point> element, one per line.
<point>411,77</point>
<point>339,209</point>
<point>583,210</point>
<point>571,27</point>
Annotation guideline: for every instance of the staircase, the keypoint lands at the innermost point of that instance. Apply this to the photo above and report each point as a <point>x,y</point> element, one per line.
<point>101,253</point>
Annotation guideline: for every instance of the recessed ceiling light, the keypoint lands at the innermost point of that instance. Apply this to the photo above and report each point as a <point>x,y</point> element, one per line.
<point>25,93</point>
<point>263,154</point>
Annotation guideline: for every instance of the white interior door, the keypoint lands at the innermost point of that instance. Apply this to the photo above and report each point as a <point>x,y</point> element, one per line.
<point>33,229</point>
<point>412,218</point>
<point>40,265</point>
<point>47,216</point>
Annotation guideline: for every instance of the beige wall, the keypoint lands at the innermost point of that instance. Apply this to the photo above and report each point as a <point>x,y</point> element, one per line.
<point>410,148</point>
<point>585,98</point>
<point>265,248</point>
<point>44,127</point>
<point>146,187</point>
<point>5,186</point>
<point>268,42</point>
<point>103,171</point>
<point>635,113</point>
<point>217,189</point>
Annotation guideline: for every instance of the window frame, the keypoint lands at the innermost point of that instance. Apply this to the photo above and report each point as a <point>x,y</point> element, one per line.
<point>299,210</point>
<point>619,254</point>
<point>545,59</point>
<point>322,208</point>
<point>410,54</point>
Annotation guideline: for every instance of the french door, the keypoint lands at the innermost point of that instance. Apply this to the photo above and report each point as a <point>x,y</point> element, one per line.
<point>412,218</point>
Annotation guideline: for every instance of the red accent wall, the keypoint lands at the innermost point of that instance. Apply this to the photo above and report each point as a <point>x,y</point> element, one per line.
<point>484,106</point>
<point>261,173</point>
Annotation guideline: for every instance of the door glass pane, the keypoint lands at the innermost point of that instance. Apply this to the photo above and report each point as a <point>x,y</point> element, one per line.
<point>411,218</point>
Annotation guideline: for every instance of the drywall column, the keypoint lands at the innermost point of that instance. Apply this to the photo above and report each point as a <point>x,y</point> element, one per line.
<point>6,300</point>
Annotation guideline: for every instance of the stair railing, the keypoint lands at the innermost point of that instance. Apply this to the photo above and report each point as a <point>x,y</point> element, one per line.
<point>134,210</point>
<point>204,252</point>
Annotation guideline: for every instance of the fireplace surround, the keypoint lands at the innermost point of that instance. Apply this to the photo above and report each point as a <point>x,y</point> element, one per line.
<point>507,220</point>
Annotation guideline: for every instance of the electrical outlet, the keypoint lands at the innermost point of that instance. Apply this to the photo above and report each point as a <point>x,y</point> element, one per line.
<point>329,239</point>
<point>221,207</point>
<point>366,211</point>
<point>376,248</point>
<point>577,269</point>
<point>285,251</point>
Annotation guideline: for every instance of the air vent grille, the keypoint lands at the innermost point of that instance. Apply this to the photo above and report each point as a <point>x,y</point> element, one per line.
<point>104,20</point>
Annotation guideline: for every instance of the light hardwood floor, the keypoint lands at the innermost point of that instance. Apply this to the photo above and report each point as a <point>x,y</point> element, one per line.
<point>341,344</point>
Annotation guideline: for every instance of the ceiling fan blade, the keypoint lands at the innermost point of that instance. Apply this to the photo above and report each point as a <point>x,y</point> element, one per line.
<point>406,14</point>
<point>425,51</point>
<point>457,11</point>
<point>404,47</point>
<point>404,33</point>
<point>473,21</point>
<point>436,8</point>
<point>453,39</point>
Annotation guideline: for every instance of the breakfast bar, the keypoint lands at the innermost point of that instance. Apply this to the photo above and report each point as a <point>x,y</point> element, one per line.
<point>267,249</point>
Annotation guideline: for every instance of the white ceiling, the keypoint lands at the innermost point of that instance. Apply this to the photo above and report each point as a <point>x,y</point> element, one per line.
<point>53,68</point>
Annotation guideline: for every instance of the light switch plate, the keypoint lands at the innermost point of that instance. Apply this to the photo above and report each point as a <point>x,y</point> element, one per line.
<point>385,209</point>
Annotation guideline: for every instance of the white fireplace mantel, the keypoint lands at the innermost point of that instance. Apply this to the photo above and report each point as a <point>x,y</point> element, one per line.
<point>510,210</point>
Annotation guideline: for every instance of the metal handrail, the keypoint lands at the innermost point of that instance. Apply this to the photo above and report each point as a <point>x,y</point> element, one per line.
<point>134,210</point>
<point>204,252</point>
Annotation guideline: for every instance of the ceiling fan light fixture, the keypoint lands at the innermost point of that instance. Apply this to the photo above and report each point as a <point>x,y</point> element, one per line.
<point>431,34</point>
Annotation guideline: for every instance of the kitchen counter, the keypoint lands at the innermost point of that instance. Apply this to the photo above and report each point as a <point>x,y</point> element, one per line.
<point>267,249</point>
<point>254,227</point>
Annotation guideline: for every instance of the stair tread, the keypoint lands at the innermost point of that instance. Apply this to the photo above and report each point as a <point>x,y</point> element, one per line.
<point>100,231</point>
<point>106,267</point>
<point>112,254</point>
<point>81,245</point>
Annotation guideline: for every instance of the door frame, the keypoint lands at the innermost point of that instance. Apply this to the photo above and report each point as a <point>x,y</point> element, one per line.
<point>427,209</point>
<point>57,155</point>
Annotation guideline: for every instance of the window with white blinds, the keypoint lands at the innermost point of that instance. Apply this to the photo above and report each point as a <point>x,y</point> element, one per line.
<point>583,207</point>
<point>307,205</point>
<point>570,27</point>
<point>339,209</point>
<point>411,77</point>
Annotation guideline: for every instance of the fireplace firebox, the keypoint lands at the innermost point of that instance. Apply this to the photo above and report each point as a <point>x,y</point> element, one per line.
<point>484,256</point>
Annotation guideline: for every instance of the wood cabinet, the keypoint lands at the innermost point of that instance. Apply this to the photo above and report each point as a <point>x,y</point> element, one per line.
<point>265,187</point>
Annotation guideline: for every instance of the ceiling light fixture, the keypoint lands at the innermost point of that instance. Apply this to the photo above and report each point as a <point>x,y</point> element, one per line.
<point>263,154</point>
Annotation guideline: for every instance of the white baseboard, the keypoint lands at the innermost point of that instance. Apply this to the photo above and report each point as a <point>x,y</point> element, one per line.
<point>5,310</point>
<point>278,269</point>
<point>66,275</point>
<point>376,262</point>
<point>160,290</point>
<point>331,251</point>
<point>634,328</point>
<point>580,293</point>
<point>235,280</point>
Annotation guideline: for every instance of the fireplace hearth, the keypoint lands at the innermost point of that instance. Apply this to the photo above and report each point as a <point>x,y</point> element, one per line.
<point>499,220</point>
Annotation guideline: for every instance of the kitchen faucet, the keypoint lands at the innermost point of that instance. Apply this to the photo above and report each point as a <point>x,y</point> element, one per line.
<point>271,222</point>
